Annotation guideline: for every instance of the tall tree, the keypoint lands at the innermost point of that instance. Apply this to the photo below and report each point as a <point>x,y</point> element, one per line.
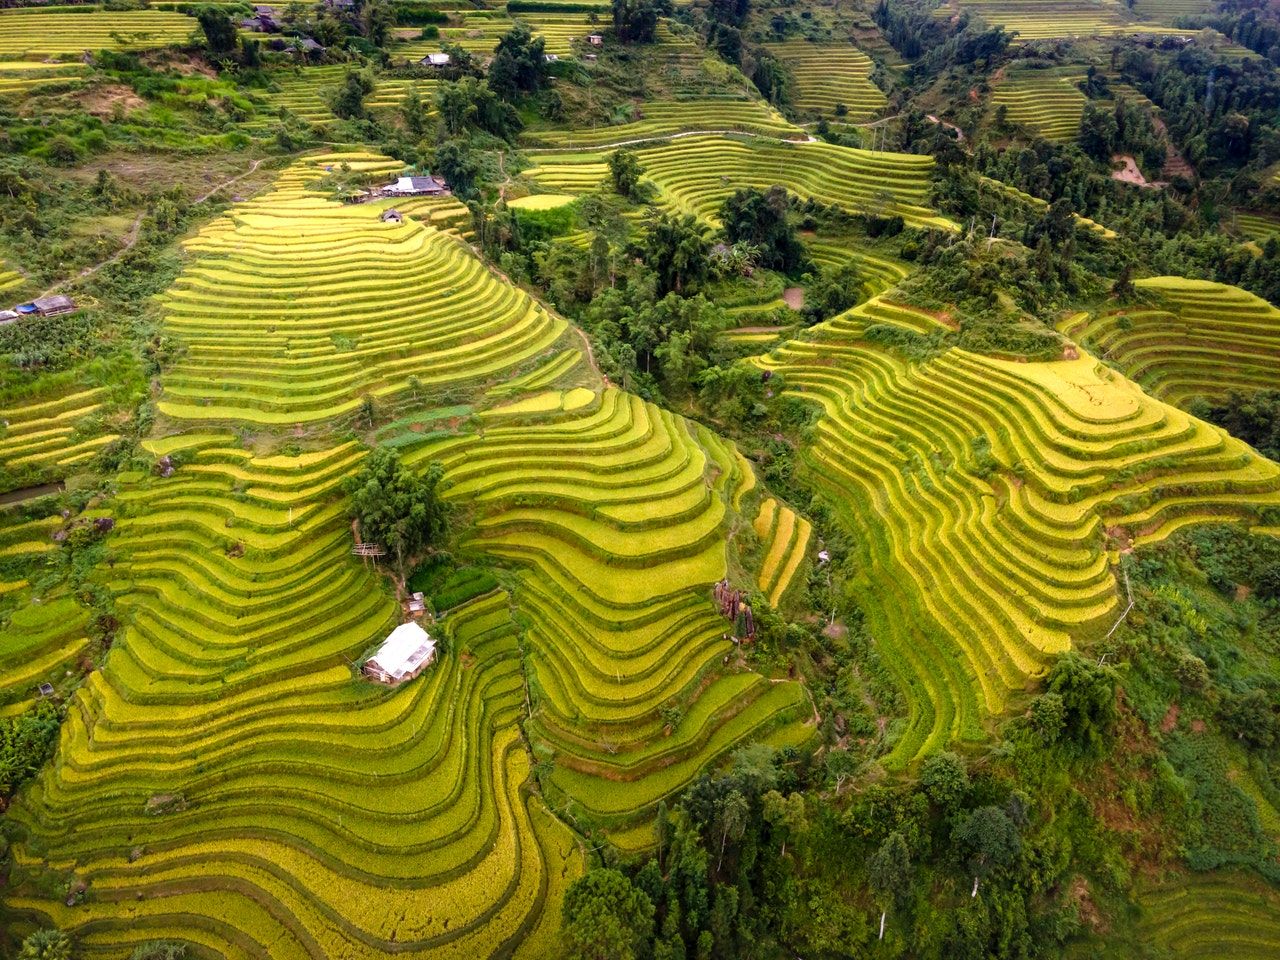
<point>889,871</point>
<point>219,30</point>
<point>519,63</point>
<point>625,170</point>
<point>676,250</point>
<point>636,21</point>
<point>990,839</point>
<point>376,20</point>
<point>347,101</point>
<point>760,218</point>
<point>395,507</point>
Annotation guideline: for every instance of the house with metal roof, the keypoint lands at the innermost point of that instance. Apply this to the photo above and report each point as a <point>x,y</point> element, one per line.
<point>403,655</point>
<point>52,306</point>
<point>416,186</point>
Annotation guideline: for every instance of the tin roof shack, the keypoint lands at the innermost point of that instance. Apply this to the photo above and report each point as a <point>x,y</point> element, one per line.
<point>416,187</point>
<point>403,655</point>
<point>392,216</point>
<point>55,305</point>
<point>435,60</point>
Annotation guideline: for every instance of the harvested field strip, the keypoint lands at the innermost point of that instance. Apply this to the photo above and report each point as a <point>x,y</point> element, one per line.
<point>308,792</point>
<point>1204,340</point>
<point>1051,106</point>
<point>696,174</point>
<point>977,576</point>
<point>661,118</point>
<point>829,75</point>
<point>295,307</point>
<point>32,32</point>
<point>609,510</point>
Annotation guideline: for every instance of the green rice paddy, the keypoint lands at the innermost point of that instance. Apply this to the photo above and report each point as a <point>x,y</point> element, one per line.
<point>977,574</point>
<point>1199,339</point>
<point>695,175</point>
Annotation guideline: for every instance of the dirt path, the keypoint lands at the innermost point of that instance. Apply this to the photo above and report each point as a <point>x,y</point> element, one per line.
<point>591,355</point>
<point>131,237</point>
<point>950,126</point>
<point>253,168</point>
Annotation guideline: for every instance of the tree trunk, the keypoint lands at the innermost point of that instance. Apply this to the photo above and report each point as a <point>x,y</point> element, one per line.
<point>882,916</point>
<point>975,888</point>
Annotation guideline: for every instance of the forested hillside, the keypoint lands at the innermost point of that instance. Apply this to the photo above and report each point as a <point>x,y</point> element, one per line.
<point>639,479</point>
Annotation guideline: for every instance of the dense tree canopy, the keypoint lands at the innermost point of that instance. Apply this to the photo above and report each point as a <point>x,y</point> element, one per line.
<point>606,918</point>
<point>762,219</point>
<point>397,508</point>
<point>519,63</point>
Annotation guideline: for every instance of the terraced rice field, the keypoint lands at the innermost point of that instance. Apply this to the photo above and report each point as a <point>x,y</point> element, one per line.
<point>1051,106</point>
<point>478,34</point>
<point>443,213</point>
<point>44,636</point>
<point>47,437</point>
<point>785,538</point>
<point>304,93</point>
<point>1203,339</point>
<point>977,574</point>
<point>351,307</point>
<point>559,32</point>
<point>20,77</point>
<point>1169,10</point>
<point>877,272</point>
<point>616,511</point>
<point>31,32</point>
<point>696,174</point>
<point>307,814</point>
<point>830,74</point>
<point>1054,19</point>
<point>1257,226</point>
<point>10,280</point>
<point>1213,916</point>
<point>663,118</point>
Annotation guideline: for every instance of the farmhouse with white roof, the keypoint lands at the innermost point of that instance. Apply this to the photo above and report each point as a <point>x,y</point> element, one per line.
<point>403,655</point>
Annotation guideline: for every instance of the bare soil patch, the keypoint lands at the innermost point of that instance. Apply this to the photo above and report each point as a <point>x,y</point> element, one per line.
<point>103,100</point>
<point>1128,172</point>
<point>793,297</point>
